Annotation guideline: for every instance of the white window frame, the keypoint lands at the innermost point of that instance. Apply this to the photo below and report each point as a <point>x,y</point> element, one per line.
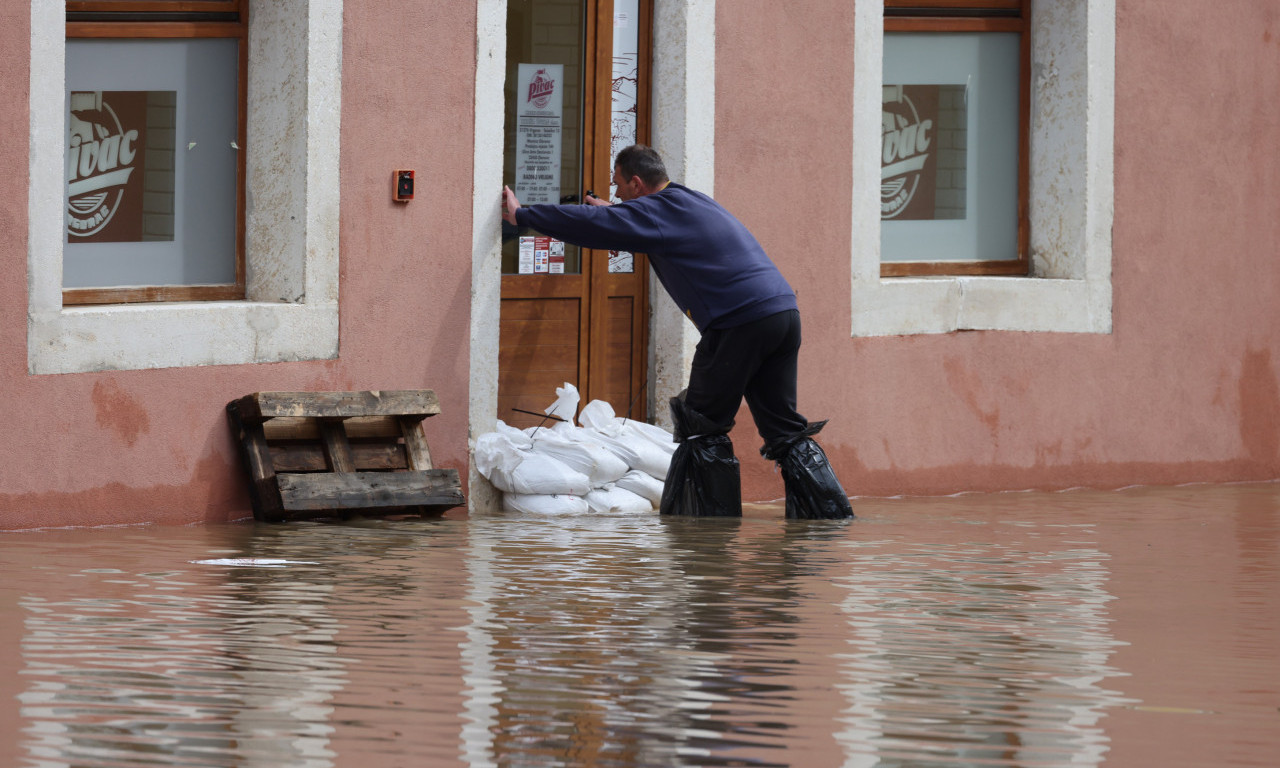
<point>291,241</point>
<point>1071,195</point>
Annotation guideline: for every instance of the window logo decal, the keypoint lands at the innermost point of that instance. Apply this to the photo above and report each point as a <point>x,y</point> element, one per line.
<point>905,139</point>
<point>923,163</point>
<point>113,193</point>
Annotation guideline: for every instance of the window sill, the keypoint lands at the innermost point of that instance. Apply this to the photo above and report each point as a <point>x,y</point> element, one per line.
<point>909,305</point>
<point>135,336</point>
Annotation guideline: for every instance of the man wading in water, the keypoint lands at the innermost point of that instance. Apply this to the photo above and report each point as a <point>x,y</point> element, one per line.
<point>721,278</point>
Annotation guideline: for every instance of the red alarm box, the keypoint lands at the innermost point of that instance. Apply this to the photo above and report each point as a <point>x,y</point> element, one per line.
<point>403,190</point>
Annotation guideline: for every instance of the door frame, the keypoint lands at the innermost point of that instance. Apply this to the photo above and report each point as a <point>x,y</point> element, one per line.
<point>681,128</point>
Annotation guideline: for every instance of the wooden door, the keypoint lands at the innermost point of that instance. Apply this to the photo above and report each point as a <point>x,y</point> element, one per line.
<point>580,317</point>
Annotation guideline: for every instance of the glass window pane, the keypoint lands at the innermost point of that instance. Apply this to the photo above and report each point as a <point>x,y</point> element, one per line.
<point>151,162</point>
<point>949,164</point>
<point>626,81</point>
<point>544,97</point>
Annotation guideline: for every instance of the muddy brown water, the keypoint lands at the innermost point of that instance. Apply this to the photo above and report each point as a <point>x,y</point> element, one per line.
<point>1129,628</point>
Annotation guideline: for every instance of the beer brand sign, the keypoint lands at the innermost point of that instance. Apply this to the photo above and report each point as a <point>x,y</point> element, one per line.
<point>909,157</point>
<point>106,171</point>
<point>541,87</point>
<point>539,132</point>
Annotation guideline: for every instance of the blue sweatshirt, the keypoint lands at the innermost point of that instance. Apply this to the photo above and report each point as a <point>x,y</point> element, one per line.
<point>714,268</point>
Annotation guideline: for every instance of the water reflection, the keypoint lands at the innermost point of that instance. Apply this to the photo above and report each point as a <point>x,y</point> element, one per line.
<point>645,642</point>
<point>977,631</point>
<point>158,667</point>
<point>979,653</point>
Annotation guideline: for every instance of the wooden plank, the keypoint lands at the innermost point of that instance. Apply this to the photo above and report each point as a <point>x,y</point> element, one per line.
<point>916,268</point>
<point>361,490</point>
<point>223,6</point>
<point>149,29</point>
<point>522,287</point>
<point>971,6</point>
<point>952,24</point>
<point>415,443</point>
<point>334,439</point>
<point>542,310</point>
<point>540,384</point>
<point>264,493</point>
<point>405,402</point>
<point>309,457</point>
<point>358,427</point>
<point>539,357</point>
<point>85,296</point>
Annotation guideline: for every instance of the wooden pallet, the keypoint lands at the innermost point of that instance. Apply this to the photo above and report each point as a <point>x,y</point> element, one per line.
<point>327,454</point>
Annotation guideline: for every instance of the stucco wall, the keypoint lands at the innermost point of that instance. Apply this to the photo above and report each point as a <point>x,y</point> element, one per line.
<point>153,445</point>
<point>1184,389</point>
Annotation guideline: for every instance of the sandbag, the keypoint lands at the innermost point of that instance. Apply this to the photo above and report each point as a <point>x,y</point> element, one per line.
<point>642,484</point>
<point>598,415</point>
<point>613,500</point>
<point>517,436</point>
<point>565,443</point>
<point>659,436</point>
<point>513,470</point>
<point>495,453</point>
<point>638,452</point>
<point>566,404</point>
<point>541,504</point>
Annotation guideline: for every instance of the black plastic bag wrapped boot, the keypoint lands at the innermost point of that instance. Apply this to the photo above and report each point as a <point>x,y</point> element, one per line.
<point>813,492</point>
<point>703,479</point>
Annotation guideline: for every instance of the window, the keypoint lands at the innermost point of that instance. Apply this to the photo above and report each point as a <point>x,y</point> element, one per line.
<point>289,305</point>
<point>1069,190</point>
<point>155,99</point>
<point>953,188</point>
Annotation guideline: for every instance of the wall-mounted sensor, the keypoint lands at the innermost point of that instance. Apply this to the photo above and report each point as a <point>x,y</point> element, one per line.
<point>403,180</point>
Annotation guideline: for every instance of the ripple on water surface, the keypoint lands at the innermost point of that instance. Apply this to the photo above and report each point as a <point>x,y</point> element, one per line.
<point>970,631</point>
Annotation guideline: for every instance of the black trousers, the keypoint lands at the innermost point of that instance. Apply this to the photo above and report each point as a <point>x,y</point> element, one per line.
<point>757,361</point>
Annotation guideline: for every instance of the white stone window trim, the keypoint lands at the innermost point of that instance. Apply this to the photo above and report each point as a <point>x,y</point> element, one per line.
<point>1071,191</point>
<point>291,244</point>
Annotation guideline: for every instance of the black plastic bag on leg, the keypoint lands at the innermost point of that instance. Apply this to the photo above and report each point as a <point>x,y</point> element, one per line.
<point>813,492</point>
<point>703,479</point>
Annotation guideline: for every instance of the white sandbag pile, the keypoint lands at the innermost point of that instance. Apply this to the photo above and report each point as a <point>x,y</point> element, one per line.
<point>609,465</point>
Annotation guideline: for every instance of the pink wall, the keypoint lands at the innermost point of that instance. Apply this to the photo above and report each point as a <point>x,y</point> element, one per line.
<point>154,445</point>
<point>1184,390</point>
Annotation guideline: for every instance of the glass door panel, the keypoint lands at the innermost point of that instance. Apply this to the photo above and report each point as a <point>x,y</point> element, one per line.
<point>545,98</point>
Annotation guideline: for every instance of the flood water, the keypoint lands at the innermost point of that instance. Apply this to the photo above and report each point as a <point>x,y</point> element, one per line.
<point>1130,628</point>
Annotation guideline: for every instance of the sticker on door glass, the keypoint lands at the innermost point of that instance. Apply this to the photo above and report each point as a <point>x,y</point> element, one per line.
<point>924,140</point>
<point>555,256</point>
<point>621,262</point>
<point>120,166</point>
<point>526,256</point>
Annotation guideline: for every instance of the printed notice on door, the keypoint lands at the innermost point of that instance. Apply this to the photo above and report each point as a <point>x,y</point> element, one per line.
<point>539,123</point>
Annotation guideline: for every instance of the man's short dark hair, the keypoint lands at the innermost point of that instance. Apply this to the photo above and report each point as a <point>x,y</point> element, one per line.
<point>642,161</point>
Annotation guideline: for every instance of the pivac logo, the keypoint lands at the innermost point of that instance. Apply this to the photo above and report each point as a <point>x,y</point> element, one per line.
<point>100,158</point>
<point>906,140</point>
<point>540,88</point>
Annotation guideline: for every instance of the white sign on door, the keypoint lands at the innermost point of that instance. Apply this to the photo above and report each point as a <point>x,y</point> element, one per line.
<point>539,124</point>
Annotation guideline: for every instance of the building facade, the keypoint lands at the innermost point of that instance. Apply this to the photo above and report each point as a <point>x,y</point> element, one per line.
<point>1066,280</point>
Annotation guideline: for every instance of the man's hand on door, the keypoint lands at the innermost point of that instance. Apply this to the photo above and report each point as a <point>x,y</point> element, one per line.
<point>509,205</point>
